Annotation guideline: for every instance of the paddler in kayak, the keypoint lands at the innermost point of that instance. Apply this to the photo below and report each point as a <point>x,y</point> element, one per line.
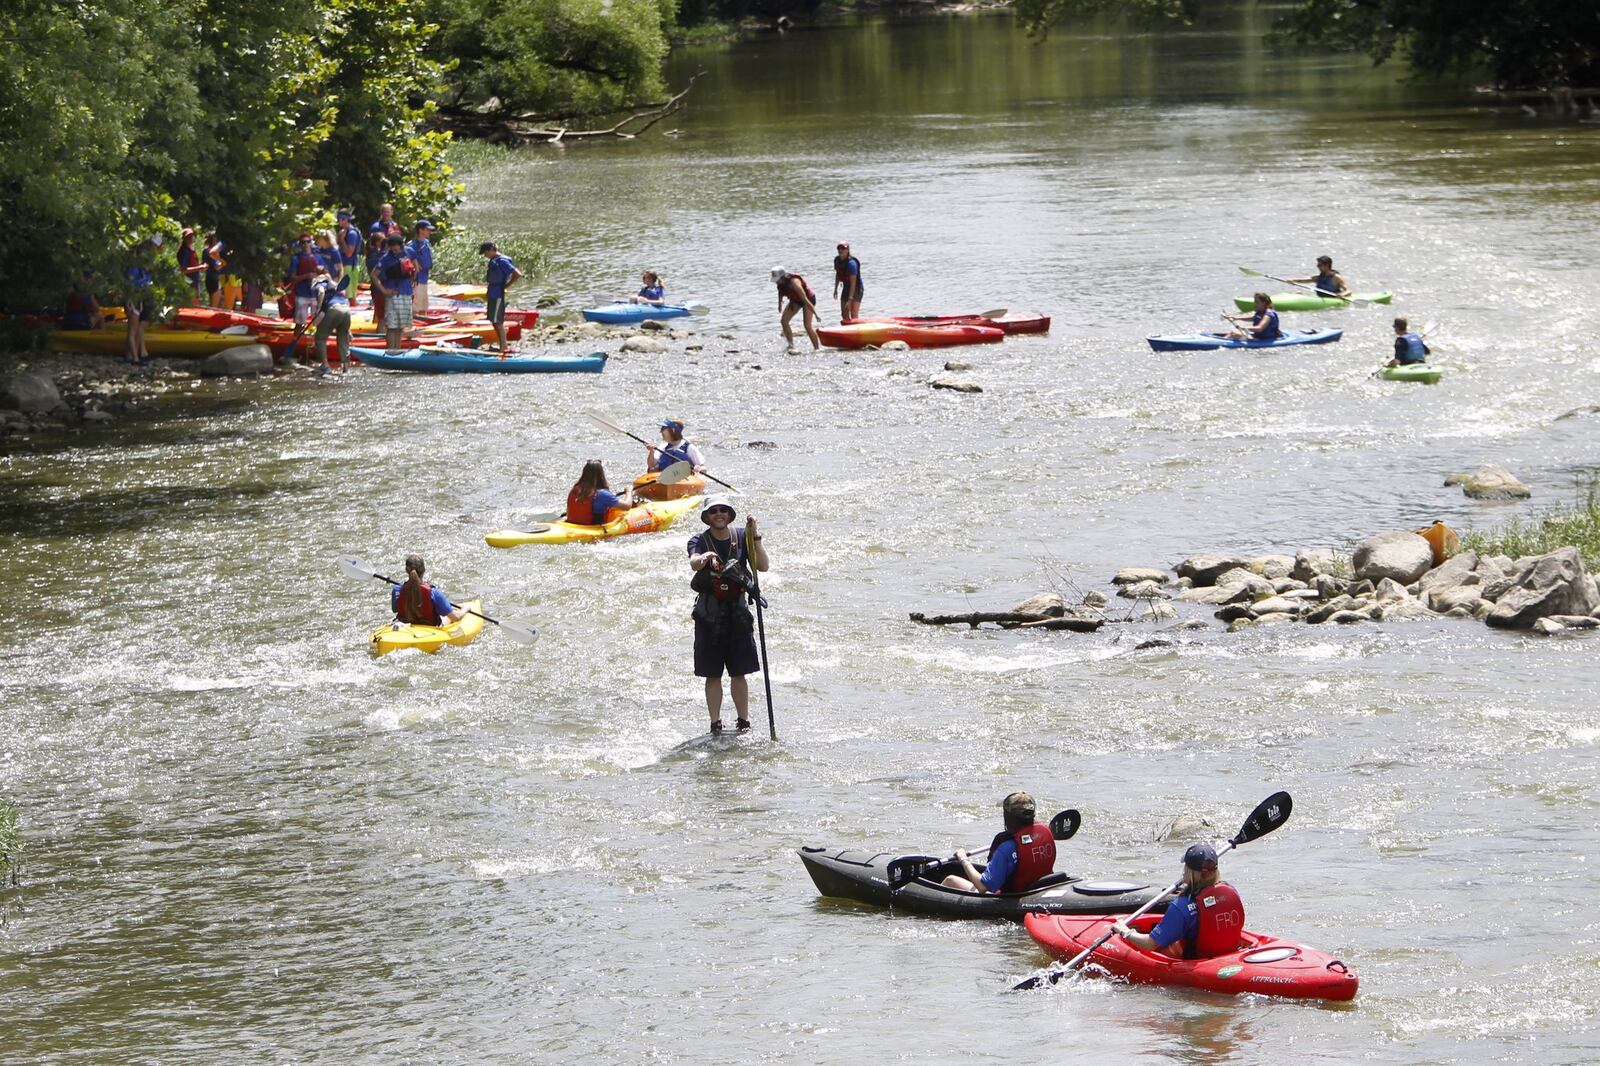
<point>1326,281</point>
<point>793,287</point>
<point>674,449</point>
<point>651,291</point>
<point>1263,322</point>
<point>415,602</point>
<point>1021,853</point>
<point>724,630</point>
<point>847,277</point>
<point>1409,349</point>
<point>1203,922</point>
<point>591,501</point>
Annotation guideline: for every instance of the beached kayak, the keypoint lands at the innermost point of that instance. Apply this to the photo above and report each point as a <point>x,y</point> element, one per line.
<point>430,360</point>
<point>863,876</point>
<point>1264,965</point>
<point>625,314</point>
<point>1198,342</point>
<point>644,518</point>
<point>158,340</point>
<point>861,334</point>
<point>1421,372</point>
<point>398,635</point>
<point>1009,323</point>
<point>1310,301</point>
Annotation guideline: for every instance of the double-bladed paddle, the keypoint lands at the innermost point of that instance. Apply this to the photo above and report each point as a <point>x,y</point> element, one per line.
<point>908,868</point>
<point>1269,815</point>
<point>1309,288</point>
<point>616,428</point>
<point>670,476</point>
<point>521,632</point>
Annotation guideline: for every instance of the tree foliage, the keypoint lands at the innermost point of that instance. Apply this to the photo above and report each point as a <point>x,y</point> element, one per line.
<point>1519,43</point>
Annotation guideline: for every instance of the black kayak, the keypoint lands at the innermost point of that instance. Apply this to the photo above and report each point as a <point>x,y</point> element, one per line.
<point>864,876</point>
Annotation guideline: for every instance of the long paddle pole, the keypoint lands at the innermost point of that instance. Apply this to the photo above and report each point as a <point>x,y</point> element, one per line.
<point>761,630</point>
<point>521,632</point>
<point>1309,288</point>
<point>618,429</point>
<point>1268,815</point>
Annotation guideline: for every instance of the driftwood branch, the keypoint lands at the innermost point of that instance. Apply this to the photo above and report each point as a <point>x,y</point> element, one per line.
<point>522,129</point>
<point>1010,620</point>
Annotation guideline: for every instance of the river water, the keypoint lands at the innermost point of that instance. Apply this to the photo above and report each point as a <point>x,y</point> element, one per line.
<point>250,843</point>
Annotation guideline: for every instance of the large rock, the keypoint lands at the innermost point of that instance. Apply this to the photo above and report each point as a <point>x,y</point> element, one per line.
<point>1205,569</point>
<point>1312,564</point>
<point>244,360</point>
<point>1042,605</point>
<point>31,391</point>
<point>1273,567</point>
<point>1446,600</point>
<point>1405,557</point>
<point>1452,572</point>
<point>1278,605</point>
<point>1406,609</point>
<point>1491,481</point>
<point>1208,594</point>
<point>1144,590</point>
<point>1249,585</point>
<point>954,384</point>
<point>1390,589</point>
<point>1555,583</point>
<point>644,345</point>
<point>1133,575</point>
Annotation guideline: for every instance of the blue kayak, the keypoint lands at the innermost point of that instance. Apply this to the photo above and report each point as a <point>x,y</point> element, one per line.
<point>1200,342</point>
<point>472,361</point>
<point>625,314</point>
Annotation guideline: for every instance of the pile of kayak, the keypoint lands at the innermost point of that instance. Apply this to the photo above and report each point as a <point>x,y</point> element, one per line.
<point>932,331</point>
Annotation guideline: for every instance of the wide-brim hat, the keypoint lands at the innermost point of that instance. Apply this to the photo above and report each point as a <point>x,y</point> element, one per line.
<point>712,503</point>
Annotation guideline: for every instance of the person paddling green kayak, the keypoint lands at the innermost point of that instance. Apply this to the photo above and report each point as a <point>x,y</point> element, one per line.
<point>1327,282</point>
<point>1409,347</point>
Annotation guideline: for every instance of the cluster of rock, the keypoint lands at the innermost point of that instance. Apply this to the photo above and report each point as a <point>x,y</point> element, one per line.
<point>1389,577</point>
<point>73,394</point>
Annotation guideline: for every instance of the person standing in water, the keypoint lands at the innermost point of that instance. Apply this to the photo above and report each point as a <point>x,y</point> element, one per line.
<point>793,288</point>
<point>847,287</point>
<point>724,629</point>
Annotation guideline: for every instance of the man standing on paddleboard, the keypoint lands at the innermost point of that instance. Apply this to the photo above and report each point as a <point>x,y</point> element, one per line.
<point>724,629</point>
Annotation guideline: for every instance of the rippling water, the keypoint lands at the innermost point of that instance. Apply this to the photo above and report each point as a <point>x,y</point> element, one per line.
<point>249,842</point>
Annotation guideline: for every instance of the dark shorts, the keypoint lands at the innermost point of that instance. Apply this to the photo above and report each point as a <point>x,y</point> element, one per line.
<point>213,283</point>
<point>496,312</point>
<point>734,654</point>
<point>844,297</point>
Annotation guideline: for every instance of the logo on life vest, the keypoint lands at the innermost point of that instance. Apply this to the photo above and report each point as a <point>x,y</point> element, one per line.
<point>1027,838</point>
<point>1209,901</point>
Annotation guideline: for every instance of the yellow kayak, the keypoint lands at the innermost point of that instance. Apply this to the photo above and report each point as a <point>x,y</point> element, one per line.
<point>644,518</point>
<point>398,635</point>
<point>158,340</point>
<point>460,292</point>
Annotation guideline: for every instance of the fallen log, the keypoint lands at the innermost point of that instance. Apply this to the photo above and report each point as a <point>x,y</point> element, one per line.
<point>523,128</point>
<point>1009,620</point>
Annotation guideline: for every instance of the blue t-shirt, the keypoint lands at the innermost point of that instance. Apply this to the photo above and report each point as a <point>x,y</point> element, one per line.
<point>139,277</point>
<point>422,252</point>
<point>441,602</point>
<point>297,265</point>
<point>382,228</point>
<point>500,270</point>
<point>601,504</point>
<point>331,260</point>
<point>1271,332</point>
<point>1002,864</point>
<point>393,277</point>
<point>349,243</point>
<point>1180,923</point>
<point>653,292</point>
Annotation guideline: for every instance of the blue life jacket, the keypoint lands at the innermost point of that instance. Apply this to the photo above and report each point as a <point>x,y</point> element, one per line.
<point>1327,285</point>
<point>667,454</point>
<point>1271,332</point>
<point>1413,350</point>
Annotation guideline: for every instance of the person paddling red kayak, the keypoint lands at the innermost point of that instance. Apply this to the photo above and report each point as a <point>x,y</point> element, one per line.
<point>1204,921</point>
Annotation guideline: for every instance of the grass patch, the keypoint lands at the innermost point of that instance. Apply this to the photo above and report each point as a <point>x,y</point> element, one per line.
<point>1576,525</point>
<point>457,261</point>
<point>469,155</point>
<point>10,844</point>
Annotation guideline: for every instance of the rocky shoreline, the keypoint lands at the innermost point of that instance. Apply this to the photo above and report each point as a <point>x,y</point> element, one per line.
<point>1393,576</point>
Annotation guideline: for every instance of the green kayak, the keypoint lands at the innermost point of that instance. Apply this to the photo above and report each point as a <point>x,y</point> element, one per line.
<point>1419,372</point>
<point>1305,301</point>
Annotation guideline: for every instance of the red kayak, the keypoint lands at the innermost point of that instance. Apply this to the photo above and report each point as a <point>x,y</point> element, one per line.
<point>1264,965</point>
<point>860,334</point>
<point>1011,322</point>
<point>216,319</point>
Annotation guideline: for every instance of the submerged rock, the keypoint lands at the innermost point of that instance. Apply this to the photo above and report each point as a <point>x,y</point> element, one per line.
<point>1185,827</point>
<point>1491,481</point>
<point>945,381</point>
<point>244,360</point>
<point>1133,575</point>
<point>1042,605</point>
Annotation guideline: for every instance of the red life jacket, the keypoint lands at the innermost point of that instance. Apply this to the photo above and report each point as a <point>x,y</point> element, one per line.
<point>581,512</point>
<point>841,268</point>
<point>415,604</point>
<point>784,288</point>
<point>1036,855</point>
<point>1219,914</point>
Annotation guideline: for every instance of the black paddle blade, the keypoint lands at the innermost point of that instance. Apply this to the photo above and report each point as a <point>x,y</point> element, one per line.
<point>1273,812</point>
<point>1038,980</point>
<point>908,868</point>
<point>1065,824</point>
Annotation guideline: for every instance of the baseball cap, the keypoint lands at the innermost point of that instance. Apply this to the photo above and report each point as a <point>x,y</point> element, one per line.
<point>1200,857</point>
<point>1019,804</point>
<point>423,223</point>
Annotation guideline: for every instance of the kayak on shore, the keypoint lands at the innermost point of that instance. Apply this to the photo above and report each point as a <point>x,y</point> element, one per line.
<point>863,876</point>
<point>158,340</point>
<point>862,334</point>
<point>1264,965</point>
<point>1198,342</point>
<point>397,636</point>
<point>643,518</point>
<point>1310,301</point>
<point>1008,323</point>
<point>1421,373</point>
<point>624,314</point>
<point>434,360</point>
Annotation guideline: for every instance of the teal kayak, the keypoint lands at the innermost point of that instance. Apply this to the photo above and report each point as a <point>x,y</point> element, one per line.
<point>627,314</point>
<point>474,361</point>
<point>1309,301</point>
<point>1419,372</point>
